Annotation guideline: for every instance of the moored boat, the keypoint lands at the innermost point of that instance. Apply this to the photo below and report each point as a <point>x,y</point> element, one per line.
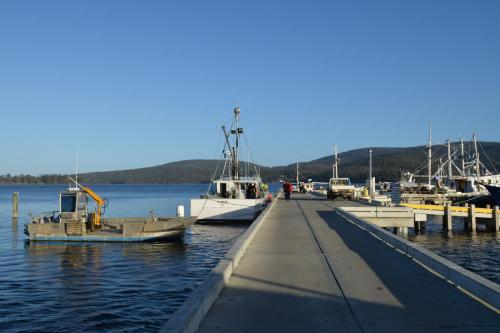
<point>232,197</point>
<point>494,190</point>
<point>73,222</point>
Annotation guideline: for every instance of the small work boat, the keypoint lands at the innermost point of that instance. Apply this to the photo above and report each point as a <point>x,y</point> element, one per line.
<point>73,222</point>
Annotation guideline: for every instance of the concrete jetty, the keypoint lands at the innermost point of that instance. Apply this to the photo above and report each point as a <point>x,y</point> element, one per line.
<point>309,269</point>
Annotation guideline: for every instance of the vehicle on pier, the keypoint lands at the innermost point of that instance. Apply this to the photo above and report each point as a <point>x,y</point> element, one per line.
<point>74,222</point>
<point>340,188</point>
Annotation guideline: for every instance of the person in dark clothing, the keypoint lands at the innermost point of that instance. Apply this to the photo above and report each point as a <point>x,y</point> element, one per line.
<point>286,190</point>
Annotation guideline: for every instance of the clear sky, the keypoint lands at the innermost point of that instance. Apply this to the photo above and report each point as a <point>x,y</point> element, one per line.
<point>139,83</point>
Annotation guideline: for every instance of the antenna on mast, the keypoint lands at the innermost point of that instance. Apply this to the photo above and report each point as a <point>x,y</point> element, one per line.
<point>76,170</point>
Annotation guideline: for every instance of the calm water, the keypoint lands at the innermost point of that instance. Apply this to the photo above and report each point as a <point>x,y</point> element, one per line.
<point>91,287</point>
<point>479,252</point>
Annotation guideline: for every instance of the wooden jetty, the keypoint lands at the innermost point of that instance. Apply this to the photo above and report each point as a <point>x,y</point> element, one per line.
<point>471,214</point>
<point>305,266</point>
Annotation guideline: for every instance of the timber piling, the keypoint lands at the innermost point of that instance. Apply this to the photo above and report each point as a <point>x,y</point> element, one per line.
<point>15,205</point>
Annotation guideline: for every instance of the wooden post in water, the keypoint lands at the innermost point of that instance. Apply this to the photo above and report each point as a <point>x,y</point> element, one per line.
<point>447,218</point>
<point>466,219</point>
<point>15,205</point>
<point>472,217</point>
<point>496,218</point>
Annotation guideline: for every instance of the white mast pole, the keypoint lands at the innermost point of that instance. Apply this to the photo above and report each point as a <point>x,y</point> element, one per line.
<point>429,165</point>
<point>297,176</point>
<point>336,166</point>
<point>333,165</point>
<point>449,161</point>
<point>370,179</point>
<point>478,171</point>
<point>462,154</point>
<point>237,157</point>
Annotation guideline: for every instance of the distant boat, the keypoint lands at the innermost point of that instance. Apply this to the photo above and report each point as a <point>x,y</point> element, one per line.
<point>73,222</point>
<point>232,197</point>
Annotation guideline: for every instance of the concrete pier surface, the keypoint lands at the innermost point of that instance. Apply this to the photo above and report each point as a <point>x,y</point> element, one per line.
<point>308,269</point>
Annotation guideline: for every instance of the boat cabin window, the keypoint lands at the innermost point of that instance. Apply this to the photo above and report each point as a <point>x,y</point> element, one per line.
<point>68,203</point>
<point>73,202</point>
<point>82,201</point>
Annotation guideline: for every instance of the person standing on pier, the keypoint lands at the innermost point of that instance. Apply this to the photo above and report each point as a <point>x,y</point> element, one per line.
<point>286,190</point>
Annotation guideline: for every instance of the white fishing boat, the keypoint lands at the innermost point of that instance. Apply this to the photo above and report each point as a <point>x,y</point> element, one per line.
<point>232,197</point>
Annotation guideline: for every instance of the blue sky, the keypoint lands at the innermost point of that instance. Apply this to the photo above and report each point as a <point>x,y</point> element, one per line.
<point>138,83</point>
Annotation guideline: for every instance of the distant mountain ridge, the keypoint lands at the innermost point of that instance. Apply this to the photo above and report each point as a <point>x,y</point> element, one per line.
<point>387,166</point>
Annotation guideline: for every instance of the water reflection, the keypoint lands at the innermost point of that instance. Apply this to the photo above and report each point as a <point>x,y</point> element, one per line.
<point>477,251</point>
<point>131,287</point>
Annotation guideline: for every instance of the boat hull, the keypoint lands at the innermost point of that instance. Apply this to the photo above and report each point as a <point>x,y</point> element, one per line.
<point>494,192</point>
<point>110,238</point>
<point>113,230</point>
<point>218,209</point>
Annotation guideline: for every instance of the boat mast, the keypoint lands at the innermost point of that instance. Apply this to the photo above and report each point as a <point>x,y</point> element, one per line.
<point>236,151</point>
<point>429,161</point>
<point>449,161</point>
<point>462,154</point>
<point>478,171</point>
<point>370,177</point>
<point>297,176</point>
<point>231,153</point>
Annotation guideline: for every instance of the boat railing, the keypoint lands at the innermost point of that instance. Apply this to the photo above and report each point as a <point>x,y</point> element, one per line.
<point>45,217</point>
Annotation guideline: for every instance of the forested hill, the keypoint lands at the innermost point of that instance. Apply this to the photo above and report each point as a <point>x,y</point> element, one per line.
<point>387,166</point>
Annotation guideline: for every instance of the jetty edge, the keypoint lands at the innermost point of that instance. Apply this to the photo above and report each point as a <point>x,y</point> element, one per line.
<point>347,276</point>
<point>189,315</point>
<point>482,289</point>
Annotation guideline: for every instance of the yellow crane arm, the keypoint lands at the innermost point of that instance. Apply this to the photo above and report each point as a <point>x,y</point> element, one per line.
<point>100,201</point>
<point>99,204</point>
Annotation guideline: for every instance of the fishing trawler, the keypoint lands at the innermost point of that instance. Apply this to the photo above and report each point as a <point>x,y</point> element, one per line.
<point>74,222</point>
<point>461,178</point>
<point>232,197</point>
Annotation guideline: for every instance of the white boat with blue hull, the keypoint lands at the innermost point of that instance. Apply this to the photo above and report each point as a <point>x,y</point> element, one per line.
<point>232,197</point>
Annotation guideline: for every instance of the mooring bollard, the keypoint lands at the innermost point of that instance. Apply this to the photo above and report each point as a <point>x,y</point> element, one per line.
<point>15,205</point>
<point>180,211</point>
